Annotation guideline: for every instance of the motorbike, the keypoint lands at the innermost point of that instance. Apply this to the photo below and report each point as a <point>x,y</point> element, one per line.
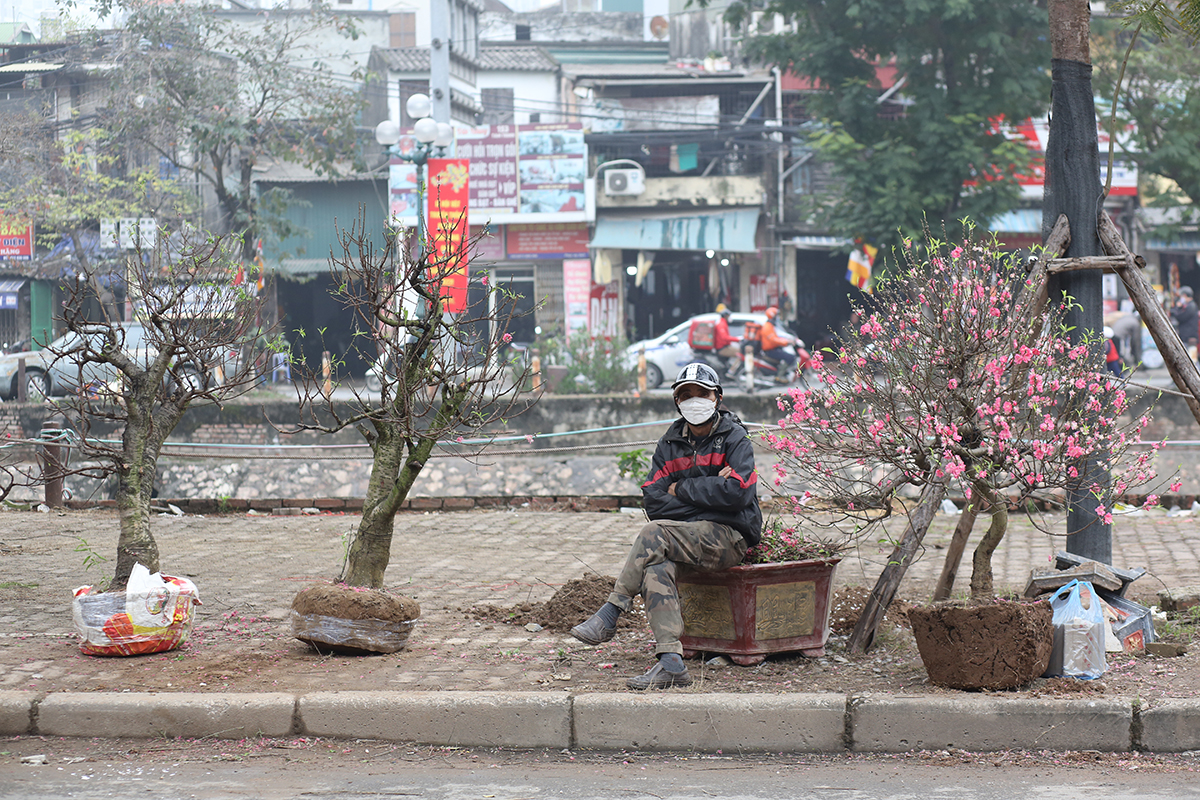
<point>769,373</point>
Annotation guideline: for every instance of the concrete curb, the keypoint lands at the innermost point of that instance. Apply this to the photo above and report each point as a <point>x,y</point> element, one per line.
<point>808,723</point>
<point>901,724</point>
<point>670,721</point>
<point>221,716</point>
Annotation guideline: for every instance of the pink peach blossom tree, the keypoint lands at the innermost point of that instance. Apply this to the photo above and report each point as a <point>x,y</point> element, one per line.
<point>954,378</point>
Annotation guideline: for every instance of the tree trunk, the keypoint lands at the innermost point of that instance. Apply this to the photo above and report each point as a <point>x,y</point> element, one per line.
<point>135,485</point>
<point>885,588</point>
<point>392,477</point>
<point>954,554</point>
<point>981,562</point>
<point>371,549</point>
<point>1073,188</point>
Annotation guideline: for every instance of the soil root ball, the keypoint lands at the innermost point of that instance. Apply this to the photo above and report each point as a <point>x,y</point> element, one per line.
<point>1001,645</point>
<point>352,620</point>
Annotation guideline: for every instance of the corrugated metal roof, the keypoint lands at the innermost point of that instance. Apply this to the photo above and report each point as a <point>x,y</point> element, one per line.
<point>290,172</point>
<point>407,59</point>
<point>524,58</point>
<point>31,66</point>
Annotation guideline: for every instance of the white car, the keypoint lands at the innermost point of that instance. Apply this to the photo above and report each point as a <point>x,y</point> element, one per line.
<point>670,352</point>
<point>65,375</point>
<point>37,385</point>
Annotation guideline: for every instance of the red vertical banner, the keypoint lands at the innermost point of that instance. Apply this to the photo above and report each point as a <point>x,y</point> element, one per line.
<point>604,312</point>
<point>446,223</point>
<point>764,292</point>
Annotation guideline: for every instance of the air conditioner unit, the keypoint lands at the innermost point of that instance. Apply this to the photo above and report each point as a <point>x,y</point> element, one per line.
<point>624,182</point>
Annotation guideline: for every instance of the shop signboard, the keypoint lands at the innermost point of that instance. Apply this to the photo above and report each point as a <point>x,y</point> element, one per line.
<point>16,237</point>
<point>518,173</point>
<point>449,201</point>
<point>764,292</point>
<point>489,246</point>
<point>604,315</point>
<point>548,240</point>
<point>577,291</point>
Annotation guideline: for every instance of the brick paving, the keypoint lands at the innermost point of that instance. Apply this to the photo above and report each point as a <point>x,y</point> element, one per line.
<point>449,561</point>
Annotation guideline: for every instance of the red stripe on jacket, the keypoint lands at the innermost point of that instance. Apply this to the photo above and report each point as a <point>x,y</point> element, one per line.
<point>706,460</point>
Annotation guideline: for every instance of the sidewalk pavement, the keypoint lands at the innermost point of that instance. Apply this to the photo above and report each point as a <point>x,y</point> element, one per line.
<point>450,686</point>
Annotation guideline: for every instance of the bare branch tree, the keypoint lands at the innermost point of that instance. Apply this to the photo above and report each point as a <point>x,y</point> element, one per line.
<point>127,384</point>
<point>444,376</point>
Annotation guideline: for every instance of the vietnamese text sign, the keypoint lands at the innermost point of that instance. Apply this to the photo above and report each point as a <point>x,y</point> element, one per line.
<point>533,172</point>
<point>604,315</point>
<point>492,151</point>
<point>577,291</point>
<point>519,173</point>
<point>16,237</point>
<point>548,240</point>
<point>447,227</point>
<point>764,292</point>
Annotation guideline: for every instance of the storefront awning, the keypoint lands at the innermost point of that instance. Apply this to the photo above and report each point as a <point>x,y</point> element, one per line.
<point>8,292</point>
<point>724,231</point>
<point>1185,242</point>
<point>817,242</point>
<point>1019,220</point>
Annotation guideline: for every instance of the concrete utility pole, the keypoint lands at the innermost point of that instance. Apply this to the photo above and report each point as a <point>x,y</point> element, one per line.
<point>1073,188</point>
<point>439,59</point>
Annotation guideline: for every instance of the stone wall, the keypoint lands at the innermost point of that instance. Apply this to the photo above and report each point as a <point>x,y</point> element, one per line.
<point>553,465</point>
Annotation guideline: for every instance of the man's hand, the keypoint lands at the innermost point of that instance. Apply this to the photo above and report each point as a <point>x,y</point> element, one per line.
<point>725,472</point>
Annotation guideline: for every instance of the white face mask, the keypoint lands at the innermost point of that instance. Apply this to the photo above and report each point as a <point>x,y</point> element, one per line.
<point>697,410</point>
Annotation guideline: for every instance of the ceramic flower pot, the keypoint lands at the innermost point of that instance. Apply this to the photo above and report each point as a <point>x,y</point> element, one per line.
<point>752,610</point>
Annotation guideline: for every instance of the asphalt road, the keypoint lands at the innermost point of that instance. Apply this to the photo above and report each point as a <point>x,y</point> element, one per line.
<point>355,770</point>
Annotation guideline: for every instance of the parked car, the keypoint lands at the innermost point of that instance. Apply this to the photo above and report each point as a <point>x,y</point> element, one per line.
<point>36,367</point>
<point>66,377</point>
<point>669,352</point>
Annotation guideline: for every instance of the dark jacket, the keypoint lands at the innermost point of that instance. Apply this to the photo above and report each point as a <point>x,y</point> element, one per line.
<point>702,494</point>
<point>1186,319</point>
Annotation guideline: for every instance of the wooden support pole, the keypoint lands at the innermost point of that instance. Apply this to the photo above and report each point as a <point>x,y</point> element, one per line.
<point>898,563</point>
<point>1181,366</point>
<point>1032,301</point>
<point>1058,266</point>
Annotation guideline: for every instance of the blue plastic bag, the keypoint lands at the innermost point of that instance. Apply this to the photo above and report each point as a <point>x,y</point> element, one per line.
<point>1078,632</point>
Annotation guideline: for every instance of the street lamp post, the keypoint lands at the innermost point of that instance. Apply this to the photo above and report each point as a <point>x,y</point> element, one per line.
<point>430,136</point>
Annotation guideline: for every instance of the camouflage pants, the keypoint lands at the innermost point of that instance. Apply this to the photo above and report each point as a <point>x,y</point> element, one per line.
<point>650,570</point>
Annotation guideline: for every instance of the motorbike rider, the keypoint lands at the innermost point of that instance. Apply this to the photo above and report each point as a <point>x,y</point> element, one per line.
<point>724,344</point>
<point>774,346</point>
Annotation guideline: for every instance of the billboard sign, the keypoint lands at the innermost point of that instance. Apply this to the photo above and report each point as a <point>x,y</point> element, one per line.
<point>16,237</point>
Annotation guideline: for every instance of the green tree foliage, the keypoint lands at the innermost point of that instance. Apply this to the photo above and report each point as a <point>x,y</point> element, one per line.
<point>68,184</point>
<point>928,151</point>
<point>1158,96</point>
<point>218,100</point>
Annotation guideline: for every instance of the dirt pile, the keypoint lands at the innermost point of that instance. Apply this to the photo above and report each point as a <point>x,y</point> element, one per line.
<point>574,602</point>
